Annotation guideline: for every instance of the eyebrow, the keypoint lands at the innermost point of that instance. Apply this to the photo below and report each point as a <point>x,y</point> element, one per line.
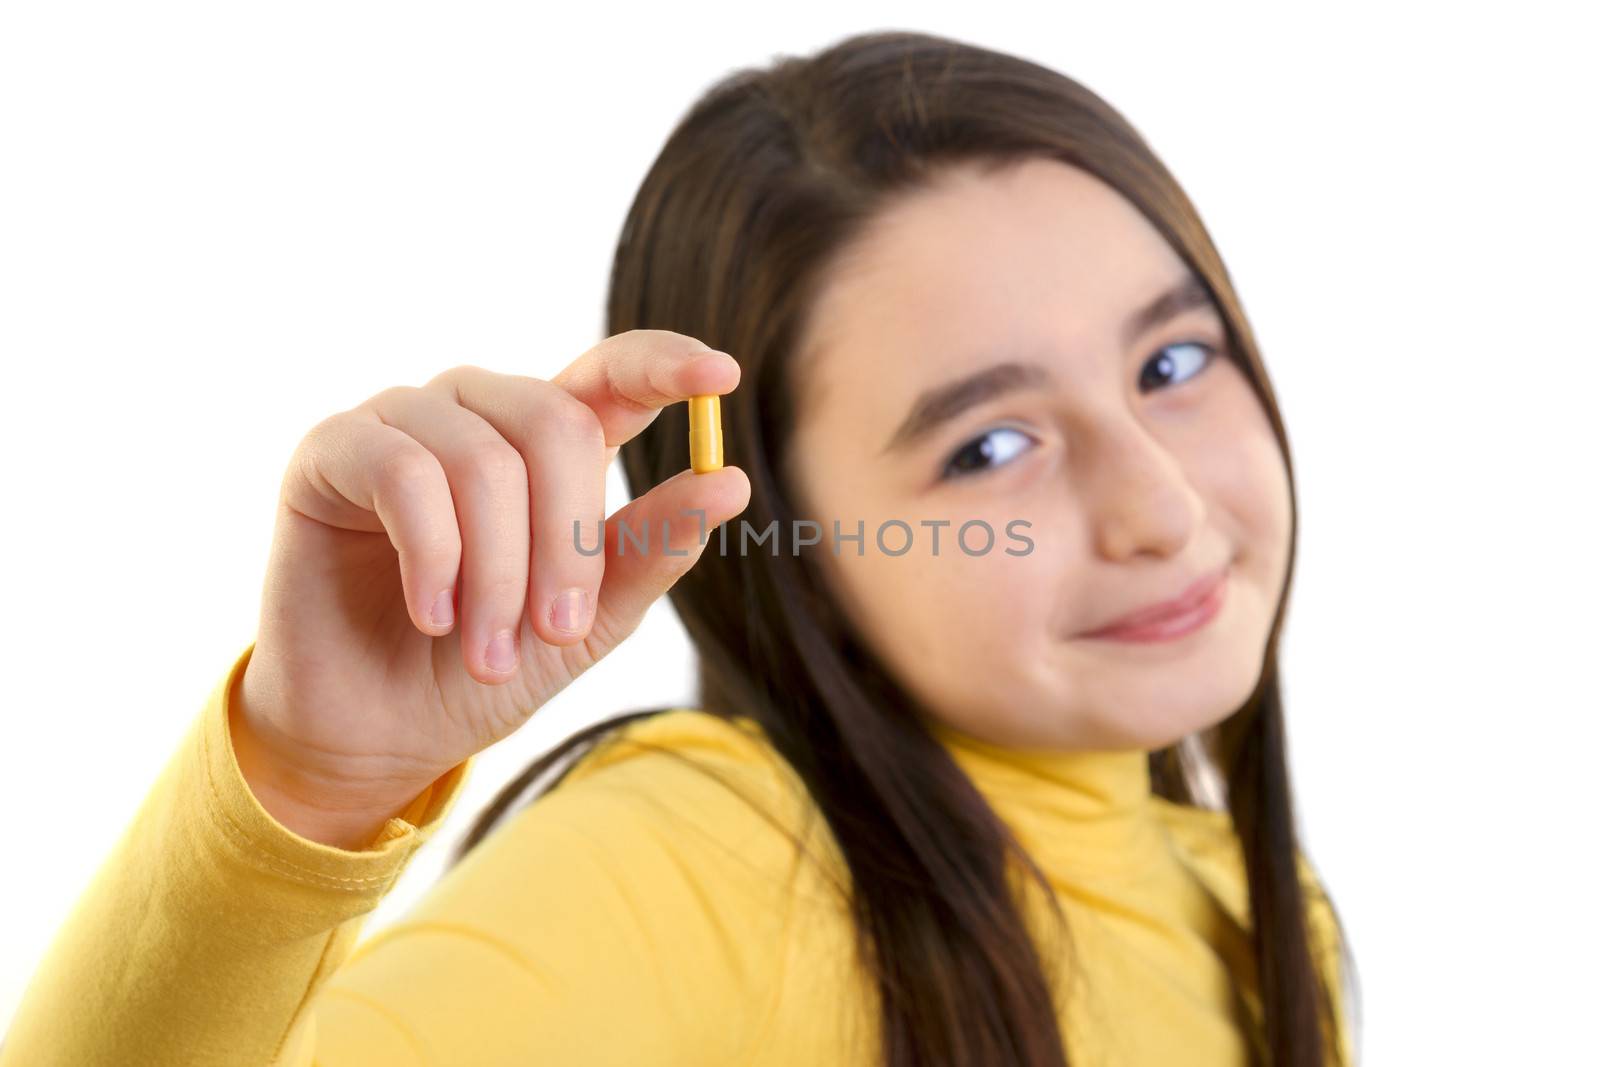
<point>942,403</point>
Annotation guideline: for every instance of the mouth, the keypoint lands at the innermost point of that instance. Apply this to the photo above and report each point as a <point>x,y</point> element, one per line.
<point>1189,612</point>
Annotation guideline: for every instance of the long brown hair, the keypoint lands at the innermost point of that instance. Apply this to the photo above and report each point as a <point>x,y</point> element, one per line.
<point>769,175</point>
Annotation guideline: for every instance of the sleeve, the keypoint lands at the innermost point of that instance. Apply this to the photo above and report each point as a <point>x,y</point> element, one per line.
<point>594,927</point>
<point>210,926</point>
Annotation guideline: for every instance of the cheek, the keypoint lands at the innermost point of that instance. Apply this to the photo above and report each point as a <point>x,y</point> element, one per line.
<point>1246,474</point>
<point>953,622</point>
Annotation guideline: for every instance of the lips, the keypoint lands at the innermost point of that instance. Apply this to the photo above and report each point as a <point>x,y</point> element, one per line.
<point>1182,604</point>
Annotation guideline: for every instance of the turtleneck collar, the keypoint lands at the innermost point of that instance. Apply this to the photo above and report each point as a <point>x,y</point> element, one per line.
<point>1080,813</point>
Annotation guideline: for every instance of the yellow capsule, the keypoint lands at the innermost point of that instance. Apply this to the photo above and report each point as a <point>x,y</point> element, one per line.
<point>705,433</point>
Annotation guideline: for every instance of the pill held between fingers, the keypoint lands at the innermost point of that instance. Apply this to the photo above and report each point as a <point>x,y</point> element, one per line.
<point>705,433</point>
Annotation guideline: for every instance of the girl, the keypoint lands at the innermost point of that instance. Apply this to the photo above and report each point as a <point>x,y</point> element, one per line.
<point>1000,613</point>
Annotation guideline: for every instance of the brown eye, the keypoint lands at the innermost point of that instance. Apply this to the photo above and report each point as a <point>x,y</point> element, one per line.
<point>981,453</point>
<point>1178,362</point>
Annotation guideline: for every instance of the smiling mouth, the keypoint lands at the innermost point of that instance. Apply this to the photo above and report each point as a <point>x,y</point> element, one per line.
<point>1199,610</point>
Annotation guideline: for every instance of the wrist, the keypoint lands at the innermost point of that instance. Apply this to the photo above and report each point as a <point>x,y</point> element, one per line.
<point>331,812</point>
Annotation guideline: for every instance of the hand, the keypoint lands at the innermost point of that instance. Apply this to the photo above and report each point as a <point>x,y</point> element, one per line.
<point>425,595</point>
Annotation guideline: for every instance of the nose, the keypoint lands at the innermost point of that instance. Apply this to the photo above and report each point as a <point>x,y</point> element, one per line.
<point>1137,496</point>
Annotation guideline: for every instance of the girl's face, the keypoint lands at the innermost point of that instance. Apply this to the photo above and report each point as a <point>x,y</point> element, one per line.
<point>982,358</point>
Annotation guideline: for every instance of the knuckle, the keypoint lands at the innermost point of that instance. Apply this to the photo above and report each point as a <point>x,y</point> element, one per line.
<point>495,461</point>
<point>312,452</point>
<point>576,421</point>
<point>568,416</point>
<point>615,394</point>
<point>449,377</point>
<point>393,396</point>
<point>396,392</point>
<point>405,469</point>
<point>553,410</point>
<point>316,438</point>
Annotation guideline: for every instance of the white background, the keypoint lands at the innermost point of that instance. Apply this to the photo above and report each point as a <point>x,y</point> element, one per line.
<point>220,223</point>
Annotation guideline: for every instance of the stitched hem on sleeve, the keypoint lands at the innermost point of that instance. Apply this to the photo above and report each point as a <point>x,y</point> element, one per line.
<point>269,845</point>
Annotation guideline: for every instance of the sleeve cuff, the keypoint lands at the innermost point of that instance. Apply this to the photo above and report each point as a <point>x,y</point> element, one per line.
<point>273,847</point>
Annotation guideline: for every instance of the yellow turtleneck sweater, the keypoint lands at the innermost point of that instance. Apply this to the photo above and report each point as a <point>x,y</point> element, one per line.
<point>642,912</point>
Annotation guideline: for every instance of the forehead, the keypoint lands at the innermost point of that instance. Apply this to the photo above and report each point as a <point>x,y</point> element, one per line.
<point>1036,254</point>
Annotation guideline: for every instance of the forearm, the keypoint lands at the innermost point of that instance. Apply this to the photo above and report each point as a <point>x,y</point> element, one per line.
<point>207,929</point>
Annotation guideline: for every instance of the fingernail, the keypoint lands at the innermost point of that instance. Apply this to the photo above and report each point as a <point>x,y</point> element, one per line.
<point>444,609</point>
<point>570,611</point>
<point>502,652</point>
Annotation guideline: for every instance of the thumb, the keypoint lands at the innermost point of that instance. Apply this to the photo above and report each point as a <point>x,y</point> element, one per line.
<point>643,540</point>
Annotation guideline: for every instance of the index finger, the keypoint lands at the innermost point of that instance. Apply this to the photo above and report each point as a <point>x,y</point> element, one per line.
<point>629,377</point>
